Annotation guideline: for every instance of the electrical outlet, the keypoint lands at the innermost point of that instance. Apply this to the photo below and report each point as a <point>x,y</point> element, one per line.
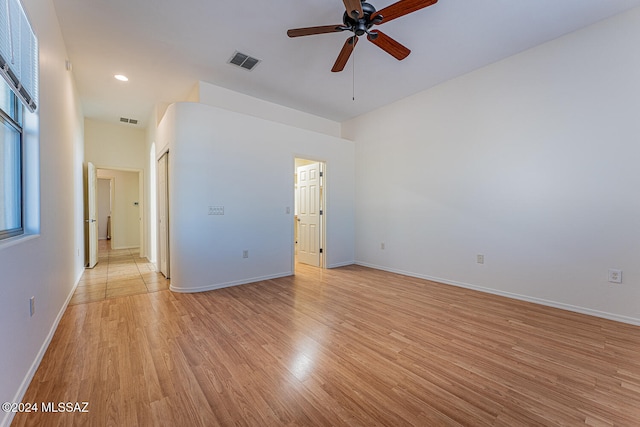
<point>245,254</point>
<point>287,210</point>
<point>615,275</point>
<point>216,210</point>
<point>382,245</point>
<point>480,259</point>
<point>32,306</point>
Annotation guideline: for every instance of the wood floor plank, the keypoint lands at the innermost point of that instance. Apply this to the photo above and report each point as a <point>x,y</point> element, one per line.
<point>345,347</point>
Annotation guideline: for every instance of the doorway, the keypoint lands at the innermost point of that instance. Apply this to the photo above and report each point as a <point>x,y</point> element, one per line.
<point>127,210</point>
<point>310,212</point>
<point>125,229</point>
<point>163,215</point>
<point>105,200</point>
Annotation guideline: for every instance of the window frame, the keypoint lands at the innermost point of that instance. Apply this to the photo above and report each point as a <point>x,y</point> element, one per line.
<point>14,120</point>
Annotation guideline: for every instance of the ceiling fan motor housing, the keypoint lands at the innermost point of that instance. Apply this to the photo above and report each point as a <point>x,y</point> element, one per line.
<point>362,25</point>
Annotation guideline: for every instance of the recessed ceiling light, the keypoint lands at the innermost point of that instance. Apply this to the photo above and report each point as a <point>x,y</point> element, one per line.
<point>121,78</point>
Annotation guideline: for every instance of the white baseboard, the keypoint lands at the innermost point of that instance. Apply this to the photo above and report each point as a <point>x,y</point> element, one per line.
<point>8,417</point>
<point>554,304</point>
<point>213,287</point>
<point>341,264</point>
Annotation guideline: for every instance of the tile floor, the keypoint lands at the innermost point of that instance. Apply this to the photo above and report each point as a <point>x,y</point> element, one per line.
<point>119,272</point>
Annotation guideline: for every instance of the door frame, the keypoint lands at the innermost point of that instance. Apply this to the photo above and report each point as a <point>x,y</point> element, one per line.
<point>323,206</point>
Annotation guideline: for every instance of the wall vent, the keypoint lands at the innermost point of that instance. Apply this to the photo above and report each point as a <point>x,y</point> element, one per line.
<point>244,61</point>
<point>130,121</point>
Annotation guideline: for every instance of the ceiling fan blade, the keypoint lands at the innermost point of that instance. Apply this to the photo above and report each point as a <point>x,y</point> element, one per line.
<point>388,44</point>
<point>345,53</point>
<point>354,8</point>
<point>309,31</point>
<point>401,8</point>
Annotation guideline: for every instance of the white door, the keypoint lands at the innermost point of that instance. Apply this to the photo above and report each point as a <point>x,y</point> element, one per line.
<point>309,214</point>
<point>92,209</point>
<point>163,214</point>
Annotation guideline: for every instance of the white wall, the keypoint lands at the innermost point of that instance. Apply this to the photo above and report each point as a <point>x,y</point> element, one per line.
<point>114,145</point>
<point>49,264</point>
<point>125,217</point>
<point>217,96</point>
<point>246,164</point>
<point>532,161</point>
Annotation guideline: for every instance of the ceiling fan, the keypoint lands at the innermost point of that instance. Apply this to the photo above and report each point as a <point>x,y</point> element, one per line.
<point>358,18</point>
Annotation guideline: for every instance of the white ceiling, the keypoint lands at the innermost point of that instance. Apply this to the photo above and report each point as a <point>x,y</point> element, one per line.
<point>165,47</point>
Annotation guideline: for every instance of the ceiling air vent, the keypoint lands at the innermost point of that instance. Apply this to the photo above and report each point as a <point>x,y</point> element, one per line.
<point>244,61</point>
<point>130,121</point>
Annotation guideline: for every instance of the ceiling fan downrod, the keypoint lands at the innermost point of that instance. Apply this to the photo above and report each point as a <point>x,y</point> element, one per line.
<point>361,26</point>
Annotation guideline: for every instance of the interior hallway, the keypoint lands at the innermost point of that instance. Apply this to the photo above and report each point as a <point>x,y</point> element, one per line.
<point>119,272</point>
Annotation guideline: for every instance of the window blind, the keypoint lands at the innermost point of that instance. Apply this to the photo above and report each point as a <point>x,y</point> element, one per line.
<point>18,53</point>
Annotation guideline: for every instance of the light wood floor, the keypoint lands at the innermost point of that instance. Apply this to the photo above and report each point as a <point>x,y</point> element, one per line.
<point>346,347</point>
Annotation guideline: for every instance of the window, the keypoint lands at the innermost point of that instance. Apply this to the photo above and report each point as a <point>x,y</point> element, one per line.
<point>11,197</point>
<point>18,90</point>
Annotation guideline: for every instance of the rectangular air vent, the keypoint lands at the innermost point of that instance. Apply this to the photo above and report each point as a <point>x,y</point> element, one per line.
<point>244,61</point>
<point>130,121</point>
